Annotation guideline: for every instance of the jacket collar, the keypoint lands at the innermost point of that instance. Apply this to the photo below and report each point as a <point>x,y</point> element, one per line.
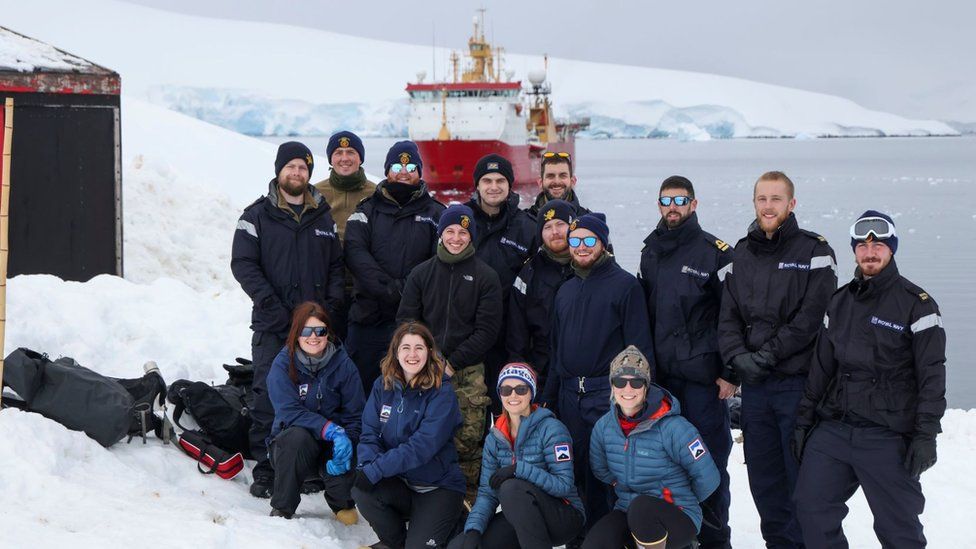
<point>863,288</point>
<point>758,242</point>
<point>664,240</point>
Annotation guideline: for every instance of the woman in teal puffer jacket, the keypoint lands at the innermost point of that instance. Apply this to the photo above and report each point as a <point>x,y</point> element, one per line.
<point>655,460</point>
<point>527,468</point>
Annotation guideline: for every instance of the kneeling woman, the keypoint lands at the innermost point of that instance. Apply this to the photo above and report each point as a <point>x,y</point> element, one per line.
<point>408,466</point>
<point>654,459</point>
<point>528,468</point>
<point>318,401</point>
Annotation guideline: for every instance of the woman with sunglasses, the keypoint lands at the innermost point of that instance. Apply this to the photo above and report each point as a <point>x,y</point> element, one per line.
<point>653,458</point>
<point>318,401</point>
<point>408,468</point>
<point>527,468</point>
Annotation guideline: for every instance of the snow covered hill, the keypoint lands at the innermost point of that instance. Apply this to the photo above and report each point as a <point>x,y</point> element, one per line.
<point>274,79</point>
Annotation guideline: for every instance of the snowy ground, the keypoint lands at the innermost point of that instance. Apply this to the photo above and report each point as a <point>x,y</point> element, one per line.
<point>185,183</point>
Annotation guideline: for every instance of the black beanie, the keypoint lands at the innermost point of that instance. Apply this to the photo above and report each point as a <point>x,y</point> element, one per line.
<point>493,163</point>
<point>345,139</point>
<point>596,223</point>
<point>404,152</point>
<point>555,209</point>
<point>290,151</point>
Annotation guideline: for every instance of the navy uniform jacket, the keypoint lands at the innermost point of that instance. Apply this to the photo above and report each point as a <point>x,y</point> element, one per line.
<point>504,241</point>
<point>775,296</point>
<point>594,318</point>
<point>880,358</point>
<point>530,309</point>
<point>281,262</point>
<point>383,243</point>
<point>682,270</point>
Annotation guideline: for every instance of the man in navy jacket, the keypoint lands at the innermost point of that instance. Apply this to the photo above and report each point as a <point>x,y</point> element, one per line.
<point>286,251</point>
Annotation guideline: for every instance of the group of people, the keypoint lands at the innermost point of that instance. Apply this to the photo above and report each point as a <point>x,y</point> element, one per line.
<point>480,375</point>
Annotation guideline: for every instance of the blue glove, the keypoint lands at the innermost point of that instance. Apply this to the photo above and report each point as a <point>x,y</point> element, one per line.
<point>341,450</point>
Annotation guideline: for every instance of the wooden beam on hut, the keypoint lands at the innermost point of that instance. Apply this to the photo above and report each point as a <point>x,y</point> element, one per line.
<point>8,130</point>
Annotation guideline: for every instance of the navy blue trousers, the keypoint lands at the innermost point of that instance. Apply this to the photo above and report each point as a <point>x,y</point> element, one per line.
<point>709,414</point>
<point>768,419</point>
<point>580,412</point>
<point>265,346</point>
<point>367,345</point>
<point>837,459</point>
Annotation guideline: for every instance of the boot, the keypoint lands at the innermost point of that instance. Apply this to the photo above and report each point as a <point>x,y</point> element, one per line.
<point>659,544</point>
<point>348,516</point>
<point>280,513</point>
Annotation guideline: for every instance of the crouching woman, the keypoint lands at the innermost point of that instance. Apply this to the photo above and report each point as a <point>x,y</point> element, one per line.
<point>318,401</point>
<point>527,467</point>
<point>408,467</point>
<point>655,461</point>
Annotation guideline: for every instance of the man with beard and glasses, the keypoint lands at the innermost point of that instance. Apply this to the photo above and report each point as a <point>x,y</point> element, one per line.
<point>596,314</point>
<point>874,398</point>
<point>682,268</point>
<point>285,252</point>
<point>530,302</point>
<point>776,292</point>
<point>557,182</point>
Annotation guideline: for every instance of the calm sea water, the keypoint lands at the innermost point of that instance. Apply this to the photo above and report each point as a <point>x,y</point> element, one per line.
<point>927,184</point>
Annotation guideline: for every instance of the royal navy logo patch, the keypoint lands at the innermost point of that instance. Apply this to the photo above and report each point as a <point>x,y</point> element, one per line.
<point>572,226</point>
<point>550,213</point>
<point>697,449</point>
<point>343,141</point>
<point>465,222</point>
<point>562,452</point>
<point>404,158</point>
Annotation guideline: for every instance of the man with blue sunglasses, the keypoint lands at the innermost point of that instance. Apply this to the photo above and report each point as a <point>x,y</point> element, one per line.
<point>682,268</point>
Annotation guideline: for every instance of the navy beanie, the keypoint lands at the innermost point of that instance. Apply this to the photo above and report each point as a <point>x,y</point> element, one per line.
<point>290,151</point>
<point>891,241</point>
<point>457,214</point>
<point>493,163</point>
<point>404,152</point>
<point>345,139</point>
<point>595,222</point>
<point>555,209</point>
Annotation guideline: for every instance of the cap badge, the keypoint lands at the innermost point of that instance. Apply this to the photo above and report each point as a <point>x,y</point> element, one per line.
<point>551,213</point>
<point>492,166</point>
<point>343,141</point>
<point>404,158</point>
<point>465,222</point>
<point>308,159</point>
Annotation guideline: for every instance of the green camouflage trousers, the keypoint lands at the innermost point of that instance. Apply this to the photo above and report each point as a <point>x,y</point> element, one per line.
<point>472,394</point>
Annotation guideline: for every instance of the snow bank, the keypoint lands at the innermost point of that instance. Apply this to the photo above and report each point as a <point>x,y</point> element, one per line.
<point>233,73</point>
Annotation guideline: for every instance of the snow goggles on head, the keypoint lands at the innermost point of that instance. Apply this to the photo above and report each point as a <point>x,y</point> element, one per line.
<point>678,200</point>
<point>880,227</point>
<point>520,390</point>
<point>397,168</point>
<point>319,331</point>
<point>548,154</point>
<point>575,241</point>
<point>621,382</point>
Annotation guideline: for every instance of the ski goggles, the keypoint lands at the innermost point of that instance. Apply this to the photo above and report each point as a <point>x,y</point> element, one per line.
<point>397,168</point>
<point>678,200</point>
<point>575,241</point>
<point>621,382</point>
<point>548,154</point>
<point>520,390</point>
<point>880,227</point>
<point>319,331</point>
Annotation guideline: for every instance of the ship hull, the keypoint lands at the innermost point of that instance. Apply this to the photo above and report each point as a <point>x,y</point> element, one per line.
<point>449,165</point>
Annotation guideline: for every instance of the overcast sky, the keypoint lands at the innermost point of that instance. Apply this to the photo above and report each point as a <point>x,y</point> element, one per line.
<point>916,59</point>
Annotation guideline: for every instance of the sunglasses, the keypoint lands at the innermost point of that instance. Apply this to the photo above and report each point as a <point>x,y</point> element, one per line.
<point>319,331</point>
<point>678,200</point>
<point>507,390</point>
<point>397,168</point>
<point>878,226</point>
<point>621,382</point>
<point>575,241</point>
<point>555,154</point>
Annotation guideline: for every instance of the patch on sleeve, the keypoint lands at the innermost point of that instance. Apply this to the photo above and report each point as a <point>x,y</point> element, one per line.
<point>385,413</point>
<point>562,452</point>
<point>697,449</point>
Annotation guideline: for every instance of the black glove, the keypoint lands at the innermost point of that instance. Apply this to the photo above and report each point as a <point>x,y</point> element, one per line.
<point>362,482</point>
<point>748,370</point>
<point>798,442</point>
<point>394,290</point>
<point>500,476</point>
<point>472,540</point>
<point>920,455</point>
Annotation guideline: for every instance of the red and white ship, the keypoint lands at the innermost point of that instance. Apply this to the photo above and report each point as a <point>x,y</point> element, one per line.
<point>482,111</point>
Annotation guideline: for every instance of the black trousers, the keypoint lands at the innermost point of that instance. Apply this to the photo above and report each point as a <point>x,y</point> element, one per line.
<point>391,505</point>
<point>367,345</point>
<point>648,519</point>
<point>265,346</point>
<point>296,456</point>
<point>529,519</point>
<point>836,460</point>
<point>580,412</point>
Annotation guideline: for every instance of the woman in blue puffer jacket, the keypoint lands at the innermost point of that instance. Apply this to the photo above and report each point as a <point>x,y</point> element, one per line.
<point>318,402</point>
<point>527,467</point>
<point>655,460</point>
